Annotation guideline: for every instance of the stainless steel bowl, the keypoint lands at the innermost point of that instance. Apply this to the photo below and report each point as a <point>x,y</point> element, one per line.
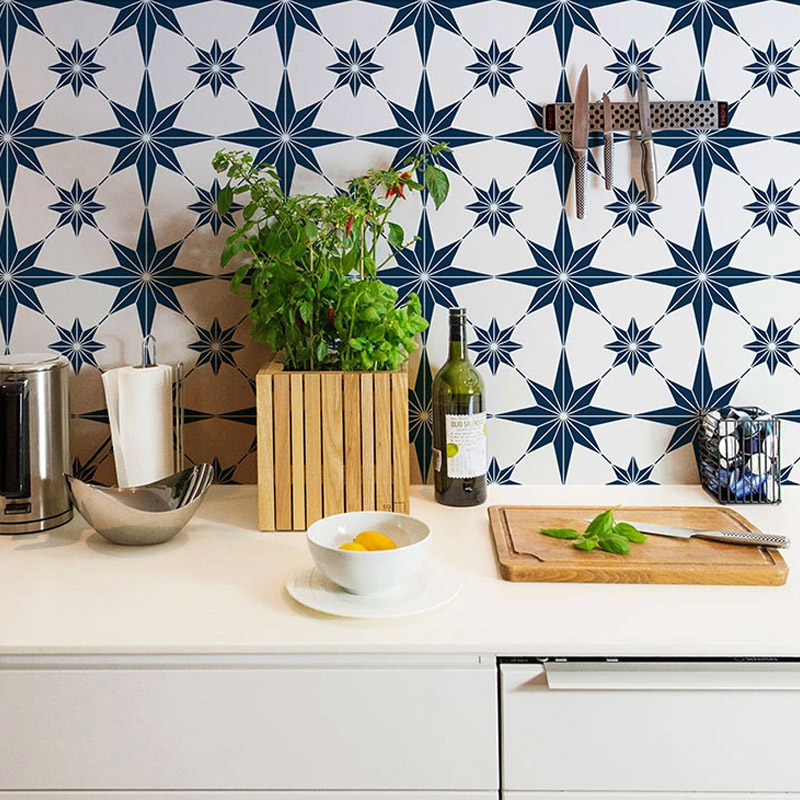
<point>139,515</point>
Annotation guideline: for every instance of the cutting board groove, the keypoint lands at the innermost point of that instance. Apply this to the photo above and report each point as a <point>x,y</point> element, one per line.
<point>524,554</point>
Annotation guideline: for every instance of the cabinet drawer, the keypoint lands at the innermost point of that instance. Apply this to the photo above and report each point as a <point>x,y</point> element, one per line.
<point>647,727</point>
<point>290,728</point>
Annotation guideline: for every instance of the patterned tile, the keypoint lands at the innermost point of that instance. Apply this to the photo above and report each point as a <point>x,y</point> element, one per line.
<point>600,340</point>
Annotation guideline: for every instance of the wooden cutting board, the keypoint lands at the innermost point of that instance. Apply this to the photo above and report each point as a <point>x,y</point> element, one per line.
<point>525,554</point>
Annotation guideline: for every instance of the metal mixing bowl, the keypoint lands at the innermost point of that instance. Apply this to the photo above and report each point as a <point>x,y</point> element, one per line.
<point>148,514</point>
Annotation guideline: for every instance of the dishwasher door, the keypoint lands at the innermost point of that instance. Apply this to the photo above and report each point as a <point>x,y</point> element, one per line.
<point>650,727</point>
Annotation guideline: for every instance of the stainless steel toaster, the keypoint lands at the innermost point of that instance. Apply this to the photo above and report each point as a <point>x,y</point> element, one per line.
<point>34,442</point>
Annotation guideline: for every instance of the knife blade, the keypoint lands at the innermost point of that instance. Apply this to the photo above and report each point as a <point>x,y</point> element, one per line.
<point>649,172</point>
<point>580,139</point>
<point>608,143</point>
<point>757,539</point>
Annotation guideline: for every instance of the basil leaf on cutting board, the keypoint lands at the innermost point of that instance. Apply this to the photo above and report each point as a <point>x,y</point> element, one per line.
<point>561,533</point>
<point>602,533</point>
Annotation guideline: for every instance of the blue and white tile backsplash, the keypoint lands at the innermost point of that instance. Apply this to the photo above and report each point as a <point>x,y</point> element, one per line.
<point>599,340</point>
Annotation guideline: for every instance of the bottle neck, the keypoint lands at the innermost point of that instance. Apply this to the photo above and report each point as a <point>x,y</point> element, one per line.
<point>458,340</point>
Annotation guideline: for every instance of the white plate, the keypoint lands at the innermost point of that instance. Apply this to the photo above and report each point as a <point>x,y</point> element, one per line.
<point>435,585</point>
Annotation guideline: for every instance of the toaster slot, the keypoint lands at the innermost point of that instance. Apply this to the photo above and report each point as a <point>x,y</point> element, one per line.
<point>15,451</point>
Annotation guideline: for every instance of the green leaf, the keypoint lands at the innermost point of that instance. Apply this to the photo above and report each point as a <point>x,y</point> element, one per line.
<point>437,184</point>
<point>395,235</point>
<point>311,231</point>
<point>602,524</point>
<point>249,210</point>
<point>612,543</point>
<point>631,533</point>
<point>322,351</point>
<point>304,309</point>
<point>585,544</point>
<point>560,533</point>
<point>224,200</point>
<point>231,250</point>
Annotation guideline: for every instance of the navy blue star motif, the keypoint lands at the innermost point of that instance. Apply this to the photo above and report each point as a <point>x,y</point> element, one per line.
<point>146,16</point>
<point>216,346</point>
<point>563,16</point>
<point>78,345</point>
<point>207,211</point>
<point>146,277</point>
<point>563,415</point>
<point>704,149</point>
<point>76,68</point>
<point>690,403</point>
<point>629,63</point>
<point>429,272</point>
<point>564,277</point>
<point>286,137</point>
<point>223,475</point>
<point>13,15</point>
<point>702,16</point>
<point>420,414</point>
<point>20,277</point>
<point>494,68</point>
<point>146,138</point>
<point>215,68</point>
<point>772,68</point>
<point>772,346</point>
<point>419,129</point>
<point>424,16</point>
<point>772,207</point>
<point>632,475</point>
<point>355,68</point>
<point>19,136</point>
<point>632,208</point>
<point>702,276</point>
<point>285,16</point>
<point>76,207</point>
<point>496,475</point>
<point>633,346</point>
<point>494,346</point>
<point>493,207</point>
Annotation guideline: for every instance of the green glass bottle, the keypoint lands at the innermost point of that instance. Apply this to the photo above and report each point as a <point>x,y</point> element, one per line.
<point>459,424</point>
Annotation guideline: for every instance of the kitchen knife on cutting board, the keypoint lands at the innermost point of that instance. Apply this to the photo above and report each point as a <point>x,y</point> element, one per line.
<point>580,140</point>
<point>649,177</point>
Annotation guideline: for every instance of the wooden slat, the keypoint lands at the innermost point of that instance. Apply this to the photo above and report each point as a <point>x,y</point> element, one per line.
<point>367,443</point>
<point>332,444</point>
<point>283,452</point>
<point>400,455</point>
<point>266,453</point>
<point>298,456</point>
<point>352,442</point>
<point>383,442</point>
<point>313,431</point>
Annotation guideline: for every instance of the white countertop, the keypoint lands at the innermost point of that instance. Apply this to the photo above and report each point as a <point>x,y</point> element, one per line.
<point>219,587</point>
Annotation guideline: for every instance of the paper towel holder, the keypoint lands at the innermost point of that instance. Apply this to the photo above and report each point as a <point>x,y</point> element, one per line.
<point>150,359</point>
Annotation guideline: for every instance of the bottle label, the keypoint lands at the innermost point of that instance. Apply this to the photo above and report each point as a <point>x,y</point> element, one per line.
<point>466,445</point>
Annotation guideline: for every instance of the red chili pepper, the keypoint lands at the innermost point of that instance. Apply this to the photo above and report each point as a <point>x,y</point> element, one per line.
<point>329,317</point>
<point>298,320</point>
<point>391,191</point>
<point>405,177</point>
<point>349,225</point>
<point>400,191</point>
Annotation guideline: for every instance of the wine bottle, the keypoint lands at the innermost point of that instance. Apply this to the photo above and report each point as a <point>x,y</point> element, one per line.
<point>459,424</point>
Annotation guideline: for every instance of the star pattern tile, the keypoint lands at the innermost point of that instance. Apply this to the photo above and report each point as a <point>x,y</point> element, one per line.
<point>119,156</point>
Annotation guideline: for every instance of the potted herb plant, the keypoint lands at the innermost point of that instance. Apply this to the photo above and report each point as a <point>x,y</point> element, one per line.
<point>332,406</point>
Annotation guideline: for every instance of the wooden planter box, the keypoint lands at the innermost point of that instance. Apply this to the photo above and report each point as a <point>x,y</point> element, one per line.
<point>330,442</point>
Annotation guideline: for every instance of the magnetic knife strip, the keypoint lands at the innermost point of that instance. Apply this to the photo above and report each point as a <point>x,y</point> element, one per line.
<point>666,115</point>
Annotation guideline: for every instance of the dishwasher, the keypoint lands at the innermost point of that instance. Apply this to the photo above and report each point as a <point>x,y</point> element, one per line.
<point>619,728</point>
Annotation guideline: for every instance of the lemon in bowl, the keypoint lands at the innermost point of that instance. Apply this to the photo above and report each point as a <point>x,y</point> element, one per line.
<point>369,552</point>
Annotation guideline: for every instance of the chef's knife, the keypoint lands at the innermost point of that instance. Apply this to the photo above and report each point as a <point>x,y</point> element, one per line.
<point>608,146</point>
<point>580,139</point>
<point>775,540</point>
<point>649,178</point>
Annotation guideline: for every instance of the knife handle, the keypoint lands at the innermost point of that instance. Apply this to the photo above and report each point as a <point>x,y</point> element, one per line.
<point>649,178</point>
<point>774,540</point>
<point>608,159</point>
<point>580,183</point>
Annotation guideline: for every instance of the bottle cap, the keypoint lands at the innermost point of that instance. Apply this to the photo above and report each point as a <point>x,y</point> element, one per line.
<point>457,313</point>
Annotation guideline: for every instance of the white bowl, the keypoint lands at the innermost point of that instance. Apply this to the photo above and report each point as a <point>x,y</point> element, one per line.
<point>372,571</point>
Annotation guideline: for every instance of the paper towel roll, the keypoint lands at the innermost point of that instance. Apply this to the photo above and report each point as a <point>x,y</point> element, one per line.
<point>139,403</point>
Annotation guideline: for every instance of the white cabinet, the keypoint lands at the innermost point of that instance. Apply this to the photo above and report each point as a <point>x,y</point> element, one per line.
<point>639,728</point>
<point>249,724</point>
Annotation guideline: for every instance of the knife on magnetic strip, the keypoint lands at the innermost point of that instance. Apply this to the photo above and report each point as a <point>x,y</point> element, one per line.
<point>649,177</point>
<point>608,143</point>
<point>580,139</point>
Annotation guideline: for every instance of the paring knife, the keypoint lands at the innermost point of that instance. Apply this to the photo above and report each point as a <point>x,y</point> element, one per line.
<point>580,140</point>
<point>608,146</point>
<point>775,540</point>
<point>649,178</point>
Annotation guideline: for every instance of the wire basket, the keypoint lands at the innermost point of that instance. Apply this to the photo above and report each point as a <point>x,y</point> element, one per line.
<point>738,455</point>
